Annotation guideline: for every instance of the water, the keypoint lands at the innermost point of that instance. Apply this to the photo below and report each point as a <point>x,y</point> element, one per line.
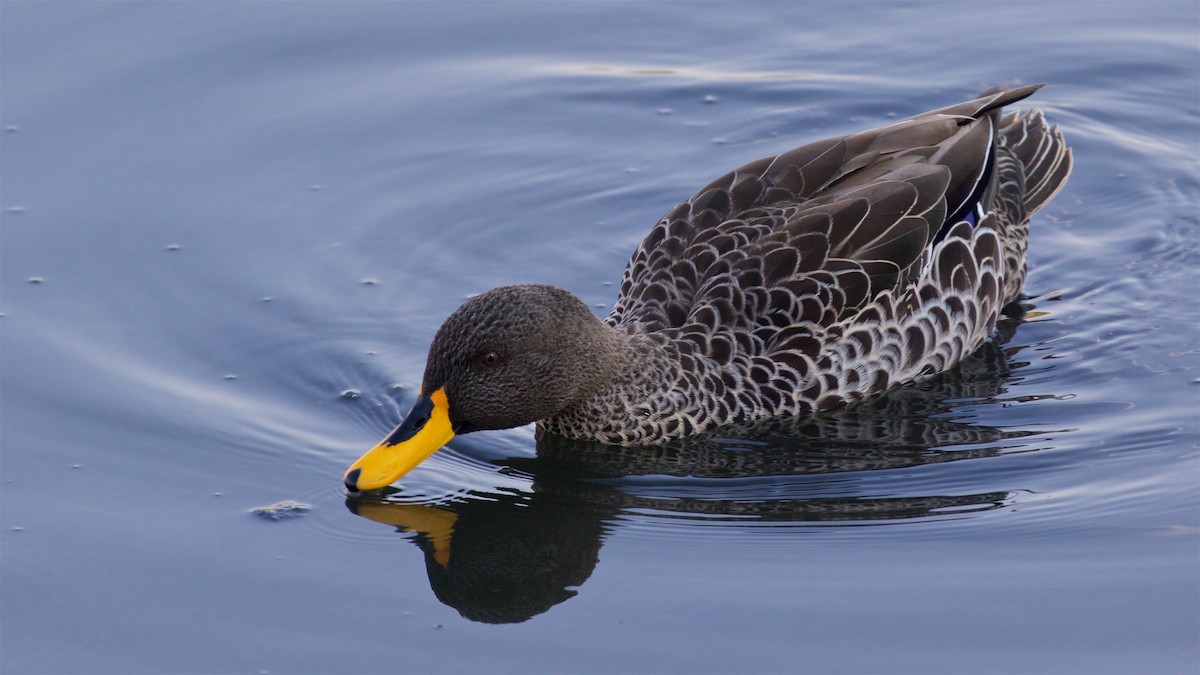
<point>240,215</point>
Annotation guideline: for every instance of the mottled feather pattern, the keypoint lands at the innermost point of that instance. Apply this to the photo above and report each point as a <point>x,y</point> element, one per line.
<point>803,282</point>
<point>894,430</point>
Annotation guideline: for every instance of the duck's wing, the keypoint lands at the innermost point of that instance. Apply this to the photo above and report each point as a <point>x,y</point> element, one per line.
<point>840,220</point>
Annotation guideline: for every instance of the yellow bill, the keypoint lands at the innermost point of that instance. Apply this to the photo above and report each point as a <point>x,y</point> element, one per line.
<point>426,429</point>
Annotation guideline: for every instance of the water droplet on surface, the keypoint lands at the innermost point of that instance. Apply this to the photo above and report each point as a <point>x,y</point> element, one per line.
<point>710,99</point>
<point>37,280</point>
<point>369,282</point>
<point>16,209</point>
<point>12,128</point>
<point>665,111</point>
<point>231,377</point>
<point>351,395</point>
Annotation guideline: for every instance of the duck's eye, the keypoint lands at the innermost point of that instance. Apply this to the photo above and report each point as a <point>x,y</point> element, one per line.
<point>490,359</point>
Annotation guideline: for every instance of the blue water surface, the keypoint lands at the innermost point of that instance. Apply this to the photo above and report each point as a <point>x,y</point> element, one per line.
<point>228,232</point>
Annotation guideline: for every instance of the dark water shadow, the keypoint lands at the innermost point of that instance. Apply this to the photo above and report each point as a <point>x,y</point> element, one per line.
<point>506,556</point>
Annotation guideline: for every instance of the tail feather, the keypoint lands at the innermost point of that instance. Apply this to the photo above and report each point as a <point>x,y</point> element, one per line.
<point>1042,152</point>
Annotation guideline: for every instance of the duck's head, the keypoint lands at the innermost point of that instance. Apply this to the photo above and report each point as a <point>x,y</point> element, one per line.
<point>508,357</point>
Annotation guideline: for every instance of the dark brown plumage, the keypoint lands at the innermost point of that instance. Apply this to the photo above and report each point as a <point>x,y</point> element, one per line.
<point>794,284</point>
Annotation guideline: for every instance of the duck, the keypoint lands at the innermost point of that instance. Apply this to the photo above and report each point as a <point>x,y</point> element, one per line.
<point>793,285</point>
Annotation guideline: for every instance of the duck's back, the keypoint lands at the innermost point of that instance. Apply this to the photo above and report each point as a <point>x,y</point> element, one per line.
<point>806,280</point>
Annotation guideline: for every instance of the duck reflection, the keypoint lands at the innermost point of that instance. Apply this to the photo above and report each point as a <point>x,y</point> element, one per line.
<point>505,557</point>
<point>501,561</point>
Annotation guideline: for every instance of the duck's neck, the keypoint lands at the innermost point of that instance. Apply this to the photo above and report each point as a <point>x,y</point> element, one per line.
<point>642,393</point>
